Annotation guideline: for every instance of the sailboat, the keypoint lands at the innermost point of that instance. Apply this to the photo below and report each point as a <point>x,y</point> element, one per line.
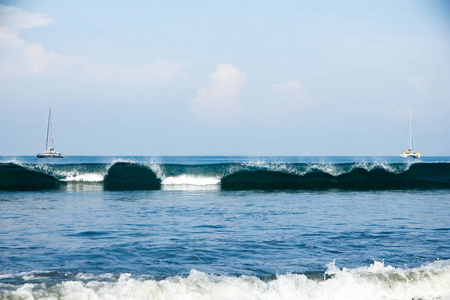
<point>410,152</point>
<point>50,151</point>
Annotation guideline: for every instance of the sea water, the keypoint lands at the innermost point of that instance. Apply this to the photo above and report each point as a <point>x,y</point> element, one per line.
<point>225,228</point>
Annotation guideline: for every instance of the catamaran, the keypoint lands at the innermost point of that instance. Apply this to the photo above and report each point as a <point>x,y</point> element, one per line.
<point>410,152</point>
<point>50,151</point>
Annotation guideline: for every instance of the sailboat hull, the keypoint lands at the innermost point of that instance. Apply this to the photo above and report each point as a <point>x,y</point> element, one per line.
<point>411,155</point>
<point>49,156</point>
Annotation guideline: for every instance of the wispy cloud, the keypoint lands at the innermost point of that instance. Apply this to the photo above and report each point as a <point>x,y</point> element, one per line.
<point>17,19</point>
<point>219,100</point>
<point>19,58</point>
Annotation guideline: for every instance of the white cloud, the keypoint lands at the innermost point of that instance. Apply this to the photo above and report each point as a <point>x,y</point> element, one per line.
<point>16,19</point>
<point>19,58</point>
<point>220,99</point>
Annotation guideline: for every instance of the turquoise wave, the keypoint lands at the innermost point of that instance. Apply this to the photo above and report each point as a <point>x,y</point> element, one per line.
<point>228,176</point>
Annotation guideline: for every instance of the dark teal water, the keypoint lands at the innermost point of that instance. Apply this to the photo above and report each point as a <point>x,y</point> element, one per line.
<point>193,239</point>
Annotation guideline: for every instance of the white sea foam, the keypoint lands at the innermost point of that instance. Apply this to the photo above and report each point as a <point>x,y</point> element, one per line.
<point>67,175</point>
<point>156,168</point>
<point>325,167</point>
<point>377,281</point>
<point>82,177</point>
<point>38,168</point>
<point>12,160</point>
<point>377,165</point>
<point>191,180</point>
<point>276,167</point>
<point>332,169</point>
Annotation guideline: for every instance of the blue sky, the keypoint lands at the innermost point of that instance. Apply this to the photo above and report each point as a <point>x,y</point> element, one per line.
<point>225,78</point>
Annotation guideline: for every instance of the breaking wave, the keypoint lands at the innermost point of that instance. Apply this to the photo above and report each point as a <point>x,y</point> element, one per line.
<point>124,175</point>
<point>16,177</point>
<point>128,176</point>
<point>377,281</point>
<point>421,175</point>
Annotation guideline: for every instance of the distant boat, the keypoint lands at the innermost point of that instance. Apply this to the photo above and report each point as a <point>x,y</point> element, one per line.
<point>410,152</point>
<point>50,151</point>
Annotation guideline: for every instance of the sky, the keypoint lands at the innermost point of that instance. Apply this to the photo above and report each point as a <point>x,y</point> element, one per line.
<point>252,78</point>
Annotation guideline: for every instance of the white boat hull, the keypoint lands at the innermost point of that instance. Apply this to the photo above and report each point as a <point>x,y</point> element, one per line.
<point>411,155</point>
<point>50,154</point>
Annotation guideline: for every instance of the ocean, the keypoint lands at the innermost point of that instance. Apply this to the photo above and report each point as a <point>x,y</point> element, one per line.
<point>224,228</point>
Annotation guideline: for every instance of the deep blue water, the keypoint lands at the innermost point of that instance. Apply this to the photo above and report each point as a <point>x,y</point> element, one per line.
<point>193,239</point>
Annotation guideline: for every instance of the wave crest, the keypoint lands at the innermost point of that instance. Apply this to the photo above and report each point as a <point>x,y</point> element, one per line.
<point>17,178</point>
<point>419,175</point>
<point>232,176</point>
<point>129,176</point>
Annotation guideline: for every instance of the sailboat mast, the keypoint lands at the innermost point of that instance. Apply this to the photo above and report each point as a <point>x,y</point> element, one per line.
<point>410,130</point>
<point>48,130</point>
<point>51,130</point>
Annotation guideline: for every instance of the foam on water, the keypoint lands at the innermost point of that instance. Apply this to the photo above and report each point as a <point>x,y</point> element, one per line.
<point>376,281</point>
<point>381,165</point>
<point>66,175</point>
<point>276,167</point>
<point>328,168</point>
<point>84,177</point>
<point>191,180</point>
<point>334,170</point>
